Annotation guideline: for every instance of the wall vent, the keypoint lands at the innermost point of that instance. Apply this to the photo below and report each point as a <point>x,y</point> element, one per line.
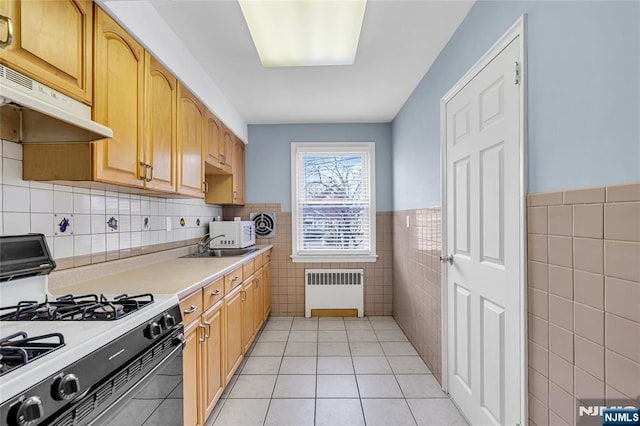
<point>265,224</point>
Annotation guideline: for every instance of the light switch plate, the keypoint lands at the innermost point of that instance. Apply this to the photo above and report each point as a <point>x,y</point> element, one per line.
<point>168,224</point>
<point>407,221</point>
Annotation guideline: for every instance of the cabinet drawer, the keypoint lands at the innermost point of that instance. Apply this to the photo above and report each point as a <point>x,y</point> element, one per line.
<point>248,268</point>
<point>232,279</point>
<point>191,307</point>
<point>212,293</point>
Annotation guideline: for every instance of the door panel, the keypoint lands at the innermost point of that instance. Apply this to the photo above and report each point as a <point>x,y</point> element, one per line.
<point>483,233</point>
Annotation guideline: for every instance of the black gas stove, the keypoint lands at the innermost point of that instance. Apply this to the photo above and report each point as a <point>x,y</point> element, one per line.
<point>89,307</point>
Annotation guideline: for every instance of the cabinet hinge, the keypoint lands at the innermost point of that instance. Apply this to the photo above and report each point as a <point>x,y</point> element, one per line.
<point>517,73</point>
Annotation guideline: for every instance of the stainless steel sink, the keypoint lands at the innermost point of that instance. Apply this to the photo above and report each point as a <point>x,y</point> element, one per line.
<point>230,252</point>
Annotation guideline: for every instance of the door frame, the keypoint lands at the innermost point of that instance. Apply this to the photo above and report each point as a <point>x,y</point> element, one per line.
<point>518,29</point>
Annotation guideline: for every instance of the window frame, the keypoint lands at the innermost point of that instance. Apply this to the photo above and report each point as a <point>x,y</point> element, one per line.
<point>334,256</point>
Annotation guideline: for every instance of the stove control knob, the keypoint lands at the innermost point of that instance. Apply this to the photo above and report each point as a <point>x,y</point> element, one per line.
<point>180,341</point>
<point>153,330</point>
<point>30,411</point>
<point>66,387</point>
<point>168,320</point>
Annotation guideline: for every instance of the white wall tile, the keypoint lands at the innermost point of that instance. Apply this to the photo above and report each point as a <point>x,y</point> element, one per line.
<point>42,223</point>
<point>79,190</point>
<point>124,206</point>
<point>11,150</point>
<point>15,198</point>
<point>98,224</point>
<point>81,245</point>
<point>81,203</point>
<point>145,209</point>
<point>81,224</point>
<point>41,200</point>
<point>98,243</point>
<point>40,185</point>
<point>135,206</point>
<point>113,242</point>
<point>62,188</point>
<point>124,223</point>
<point>111,205</point>
<point>136,223</point>
<point>16,223</point>
<point>154,207</point>
<point>62,247</point>
<point>136,239</point>
<point>12,172</point>
<point>98,204</point>
<point>62,201</point>
<point>125,240</point>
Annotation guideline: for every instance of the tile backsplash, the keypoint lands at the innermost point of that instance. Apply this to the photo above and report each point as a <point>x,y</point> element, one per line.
<point>97,224</point>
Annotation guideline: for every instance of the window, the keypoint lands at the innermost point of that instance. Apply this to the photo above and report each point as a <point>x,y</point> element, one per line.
<point>333,202</point>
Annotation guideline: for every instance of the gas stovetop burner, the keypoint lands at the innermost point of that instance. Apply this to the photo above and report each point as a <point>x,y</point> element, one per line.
<point>88,307</point>
<point>18,349</point>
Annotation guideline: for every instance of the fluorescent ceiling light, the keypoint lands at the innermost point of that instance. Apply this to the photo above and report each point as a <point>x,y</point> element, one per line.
<point>290,33</point>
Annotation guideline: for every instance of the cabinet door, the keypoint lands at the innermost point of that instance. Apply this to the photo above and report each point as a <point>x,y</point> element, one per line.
<point>258,311</point>
<point>226,148</point>
<point>212,360</point>
<point>266,280</point>
<point>159,152</point>
<point>238,172</point>
<point>191,358</point>
<point>191,117</point>
<point>248,310</point>
<point>233,331</point>
<point>213,133</point>
<point>52,43</point>
<point>119,66</point>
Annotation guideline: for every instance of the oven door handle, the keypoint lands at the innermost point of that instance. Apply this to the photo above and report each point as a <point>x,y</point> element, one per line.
<point>142,382</point>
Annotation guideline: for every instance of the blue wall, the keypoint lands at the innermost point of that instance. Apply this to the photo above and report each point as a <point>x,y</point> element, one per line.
<point>583,100</point>
<point>268,157</point>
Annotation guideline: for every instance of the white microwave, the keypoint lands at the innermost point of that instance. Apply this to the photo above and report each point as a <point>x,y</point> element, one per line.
<point>232,234</point>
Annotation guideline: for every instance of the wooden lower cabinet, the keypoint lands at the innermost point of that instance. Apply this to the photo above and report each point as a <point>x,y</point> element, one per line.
<point>191,371</point>
<point>258,312</point>
<point>248,311</point>
<point>213,379</point>
<point>266,282</point>
<point>233,331</point>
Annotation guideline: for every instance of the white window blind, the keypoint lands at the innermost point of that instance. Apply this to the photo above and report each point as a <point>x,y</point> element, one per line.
<point>333,201</point>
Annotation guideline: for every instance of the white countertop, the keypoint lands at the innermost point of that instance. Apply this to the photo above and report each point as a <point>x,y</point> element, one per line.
<point>180,276</point>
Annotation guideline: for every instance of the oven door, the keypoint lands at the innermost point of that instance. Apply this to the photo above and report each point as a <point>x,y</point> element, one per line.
<point>147,390</point>
<point>156,399</point>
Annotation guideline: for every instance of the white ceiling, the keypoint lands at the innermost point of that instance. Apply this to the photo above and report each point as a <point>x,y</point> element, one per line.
<point>399,42</point>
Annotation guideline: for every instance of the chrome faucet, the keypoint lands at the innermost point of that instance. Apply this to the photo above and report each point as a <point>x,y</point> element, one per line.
<point>203,243</point>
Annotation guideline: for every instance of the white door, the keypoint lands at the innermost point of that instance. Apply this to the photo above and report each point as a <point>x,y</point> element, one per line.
<point>483,233</point>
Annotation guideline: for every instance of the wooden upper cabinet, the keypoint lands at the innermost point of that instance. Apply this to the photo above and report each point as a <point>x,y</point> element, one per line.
<point>159,149</point>
<point>119,66</point>
<point>213,137</point>
<point>191,118</point>
<point>238,171</point>
<point>226,150</point>
<point>52,43</point>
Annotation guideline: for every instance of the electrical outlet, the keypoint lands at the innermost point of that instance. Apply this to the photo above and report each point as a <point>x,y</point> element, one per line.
<point>168,224</point>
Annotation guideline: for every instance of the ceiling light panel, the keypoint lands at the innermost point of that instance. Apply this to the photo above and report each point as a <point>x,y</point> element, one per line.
<point>304,32</point>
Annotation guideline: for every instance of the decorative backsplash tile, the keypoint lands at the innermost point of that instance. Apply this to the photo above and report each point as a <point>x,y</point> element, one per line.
<point>75,220</point>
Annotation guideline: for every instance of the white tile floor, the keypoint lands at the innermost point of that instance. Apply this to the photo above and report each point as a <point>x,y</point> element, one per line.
<point>331,371</point>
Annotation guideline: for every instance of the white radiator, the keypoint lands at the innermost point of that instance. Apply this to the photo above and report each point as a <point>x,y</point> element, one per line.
<point>333,289</point>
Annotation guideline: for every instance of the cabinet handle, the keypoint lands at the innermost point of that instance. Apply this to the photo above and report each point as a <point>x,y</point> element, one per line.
<point>222,159</point>
<point>215,293</point>
<point>206,186</point>
<point>9,40</point>
<point>191,310</point>
<point>235,279</point>
<point>143,171</point>
<point>149,167</point>
<point>207,333</point>
<point>244,296</point>
<point>200,340</point>
<point>257,283</point>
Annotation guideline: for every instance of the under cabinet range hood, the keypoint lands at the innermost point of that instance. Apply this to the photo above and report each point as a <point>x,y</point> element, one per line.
<point>31,112</point>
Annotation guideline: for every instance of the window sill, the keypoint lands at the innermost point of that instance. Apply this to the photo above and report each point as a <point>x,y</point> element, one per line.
<point>369,258</point>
